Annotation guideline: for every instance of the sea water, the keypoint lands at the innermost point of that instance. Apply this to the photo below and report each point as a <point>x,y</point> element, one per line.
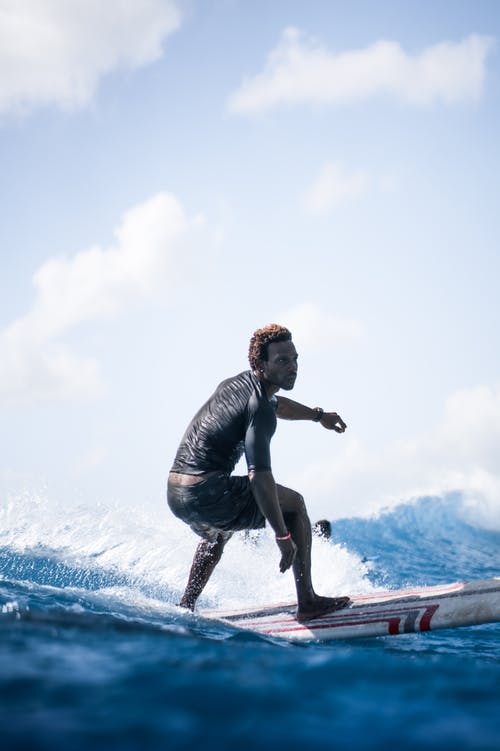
<point>94,653</point>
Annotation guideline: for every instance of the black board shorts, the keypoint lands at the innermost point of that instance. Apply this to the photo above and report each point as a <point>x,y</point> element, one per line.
<point>220,503</point>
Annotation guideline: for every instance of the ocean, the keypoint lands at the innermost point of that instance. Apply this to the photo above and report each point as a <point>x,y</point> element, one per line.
<point>94,653</point>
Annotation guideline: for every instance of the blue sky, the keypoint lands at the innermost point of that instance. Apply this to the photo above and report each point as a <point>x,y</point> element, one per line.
<point>177,174</point>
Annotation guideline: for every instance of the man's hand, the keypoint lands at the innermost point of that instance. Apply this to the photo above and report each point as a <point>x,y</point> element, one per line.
<point>288,551</point>
<point>333,421</point>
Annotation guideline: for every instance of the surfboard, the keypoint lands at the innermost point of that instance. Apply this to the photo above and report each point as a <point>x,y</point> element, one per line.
<point>381,613</point>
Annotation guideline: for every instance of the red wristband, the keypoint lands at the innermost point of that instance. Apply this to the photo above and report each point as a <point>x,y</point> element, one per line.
<point>286,537</point>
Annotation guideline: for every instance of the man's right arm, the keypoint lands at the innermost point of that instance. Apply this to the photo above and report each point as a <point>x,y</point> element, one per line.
<point>266,496</point>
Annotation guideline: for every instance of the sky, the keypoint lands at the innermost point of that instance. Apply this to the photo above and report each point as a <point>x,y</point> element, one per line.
<point>178,173</point>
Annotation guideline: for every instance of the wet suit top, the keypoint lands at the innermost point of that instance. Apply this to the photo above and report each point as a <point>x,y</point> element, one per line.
<point>237,418</point>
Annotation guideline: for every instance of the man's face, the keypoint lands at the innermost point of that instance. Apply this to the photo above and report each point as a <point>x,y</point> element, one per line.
<point>280,368</point>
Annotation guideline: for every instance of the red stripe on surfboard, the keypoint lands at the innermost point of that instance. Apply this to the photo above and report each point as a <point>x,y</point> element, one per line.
<point>425,621</point>
<point>393,624</point>
<point>339,620</point>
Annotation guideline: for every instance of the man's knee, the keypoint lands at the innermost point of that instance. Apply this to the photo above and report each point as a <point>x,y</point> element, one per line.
<point>300,504</point>
<point>217,547</point>
<point>211,550</point>
<point>291,501</point>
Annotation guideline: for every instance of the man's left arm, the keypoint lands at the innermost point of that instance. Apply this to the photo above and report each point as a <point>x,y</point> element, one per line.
<point>287,409</point>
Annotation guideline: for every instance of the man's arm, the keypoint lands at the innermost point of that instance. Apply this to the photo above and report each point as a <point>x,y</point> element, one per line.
<point>289,410</point>
<point>266,496</point>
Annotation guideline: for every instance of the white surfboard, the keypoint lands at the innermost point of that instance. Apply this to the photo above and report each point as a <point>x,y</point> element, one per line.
<point>386,613</point>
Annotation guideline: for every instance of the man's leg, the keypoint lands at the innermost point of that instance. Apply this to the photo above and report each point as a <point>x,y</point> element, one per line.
<point>207,556</point>
<point>295,514</point>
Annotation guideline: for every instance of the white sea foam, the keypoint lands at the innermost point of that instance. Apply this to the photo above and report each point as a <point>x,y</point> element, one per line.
<point>154,550</point>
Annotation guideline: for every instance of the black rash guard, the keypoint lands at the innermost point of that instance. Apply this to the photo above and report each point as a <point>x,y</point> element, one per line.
<point>237,418</point>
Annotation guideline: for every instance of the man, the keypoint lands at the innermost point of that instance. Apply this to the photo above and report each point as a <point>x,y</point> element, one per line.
<point>241,417</point>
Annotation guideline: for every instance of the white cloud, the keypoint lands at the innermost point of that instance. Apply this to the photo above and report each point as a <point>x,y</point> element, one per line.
<point>332,186</point>
<point>311,328</point>
<point>99,281</point>
<point>33,370</point>
<point>300,70</point>
<point>461,453</point>
<point>55,51</point>
<point>95,283</point>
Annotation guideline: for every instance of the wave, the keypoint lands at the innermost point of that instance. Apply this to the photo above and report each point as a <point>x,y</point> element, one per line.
<point>89,629</point>
<point>115,568</point>
<point>426,542</point>
<point>150,552</point>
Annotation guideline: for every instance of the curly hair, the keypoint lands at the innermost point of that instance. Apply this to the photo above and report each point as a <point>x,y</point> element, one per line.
<point>260,340</point>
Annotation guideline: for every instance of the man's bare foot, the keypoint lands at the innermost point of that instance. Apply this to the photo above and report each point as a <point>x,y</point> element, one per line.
<point>321,606</point>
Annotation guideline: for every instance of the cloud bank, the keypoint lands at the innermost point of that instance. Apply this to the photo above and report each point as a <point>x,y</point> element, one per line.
<point>35,365</point>
<point>301,71</point>
<point>56,52</point>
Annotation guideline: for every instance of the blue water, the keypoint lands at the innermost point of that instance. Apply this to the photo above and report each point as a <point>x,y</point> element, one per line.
<point>94,653</point>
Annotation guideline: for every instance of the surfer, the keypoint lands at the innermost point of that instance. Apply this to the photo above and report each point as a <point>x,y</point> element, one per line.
<point>240,417</point>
